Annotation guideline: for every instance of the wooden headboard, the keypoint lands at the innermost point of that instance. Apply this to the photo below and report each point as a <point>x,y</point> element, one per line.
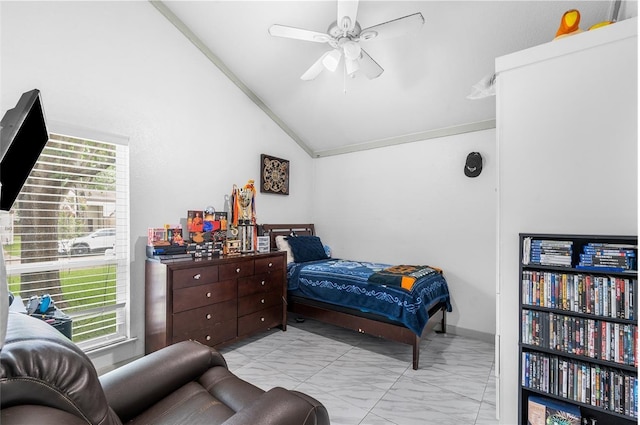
<point>274,230</point>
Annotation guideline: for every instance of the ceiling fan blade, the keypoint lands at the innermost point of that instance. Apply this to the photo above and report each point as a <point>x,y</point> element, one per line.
<point>393,28</point>
<point>315,69</point>
<point>347,13</point>
<point>369,67</point>
<point>298,34</point>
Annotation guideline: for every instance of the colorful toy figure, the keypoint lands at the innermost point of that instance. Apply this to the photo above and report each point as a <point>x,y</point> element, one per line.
<point>570,24</point>
<point>243,203</point>
<point>243,215</point>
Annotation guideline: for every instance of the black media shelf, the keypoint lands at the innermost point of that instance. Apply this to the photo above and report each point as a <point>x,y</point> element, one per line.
<point>578,326</point>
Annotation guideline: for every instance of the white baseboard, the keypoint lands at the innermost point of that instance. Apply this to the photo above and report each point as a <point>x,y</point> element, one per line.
<point>470,333</point>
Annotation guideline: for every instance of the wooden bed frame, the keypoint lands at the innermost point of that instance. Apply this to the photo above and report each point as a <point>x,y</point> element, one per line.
<point>353,319</point>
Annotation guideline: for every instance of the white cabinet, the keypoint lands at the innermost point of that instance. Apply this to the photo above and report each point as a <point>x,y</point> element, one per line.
<point>567,137</point>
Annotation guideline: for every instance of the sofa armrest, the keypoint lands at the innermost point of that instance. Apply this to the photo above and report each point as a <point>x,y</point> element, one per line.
<point>40,366</point>
<point>279,406</point>
<point>320,411</point>
<point>134,387</point>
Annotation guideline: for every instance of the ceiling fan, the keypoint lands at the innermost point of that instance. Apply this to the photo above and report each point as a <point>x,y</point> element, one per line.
<point>344,36</point>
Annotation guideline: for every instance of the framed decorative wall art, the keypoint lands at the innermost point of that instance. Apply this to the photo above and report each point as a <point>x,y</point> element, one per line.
<point>274,175</point>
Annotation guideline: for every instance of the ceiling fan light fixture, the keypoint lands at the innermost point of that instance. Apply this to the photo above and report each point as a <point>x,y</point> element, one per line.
<point>352,50</point>
<point>351,66</point>
<point>315,69</point>
<point>331,60</point>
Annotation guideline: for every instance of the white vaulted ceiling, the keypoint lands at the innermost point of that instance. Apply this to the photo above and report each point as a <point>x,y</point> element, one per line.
<point>427,74</point>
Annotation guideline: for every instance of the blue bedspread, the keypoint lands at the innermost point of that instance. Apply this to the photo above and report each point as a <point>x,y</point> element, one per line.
<point>345,283</point>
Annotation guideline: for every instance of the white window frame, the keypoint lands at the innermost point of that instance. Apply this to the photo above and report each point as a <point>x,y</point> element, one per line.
<point>122,245</point>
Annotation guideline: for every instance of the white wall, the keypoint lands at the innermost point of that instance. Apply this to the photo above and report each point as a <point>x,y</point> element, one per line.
<point>567,147</point>
<point>122,68</point>
<point>412,204</point>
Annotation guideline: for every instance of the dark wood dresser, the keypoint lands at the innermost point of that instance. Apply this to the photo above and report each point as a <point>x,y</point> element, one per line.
<point>214,301</point>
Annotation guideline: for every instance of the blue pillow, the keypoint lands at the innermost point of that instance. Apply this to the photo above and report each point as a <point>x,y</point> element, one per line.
<point>306,248</point>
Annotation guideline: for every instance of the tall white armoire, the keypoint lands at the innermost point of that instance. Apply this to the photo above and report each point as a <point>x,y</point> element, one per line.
<point>567,135</point>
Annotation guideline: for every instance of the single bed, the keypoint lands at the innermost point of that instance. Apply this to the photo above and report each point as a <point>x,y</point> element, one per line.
<point>360,296</point>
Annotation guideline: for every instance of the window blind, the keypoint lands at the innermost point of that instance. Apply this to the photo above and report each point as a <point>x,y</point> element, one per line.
<point>67,235</point>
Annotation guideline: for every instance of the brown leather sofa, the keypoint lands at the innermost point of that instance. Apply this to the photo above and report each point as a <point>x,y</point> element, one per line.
<point>46,379</point>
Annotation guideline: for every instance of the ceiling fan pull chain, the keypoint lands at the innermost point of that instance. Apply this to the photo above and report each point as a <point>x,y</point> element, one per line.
<point>344,81</point>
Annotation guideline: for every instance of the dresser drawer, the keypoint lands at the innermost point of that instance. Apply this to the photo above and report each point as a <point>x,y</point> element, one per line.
<point>260,320</point>
<point>236,270</point>
<point>257,302</point>
<point>213,335</point>
<point>214,301</point>
<point>204,317</point>
<point>194,276</point>
<point>264,265</point>
<point>260,283</point>
<point>202,295</point>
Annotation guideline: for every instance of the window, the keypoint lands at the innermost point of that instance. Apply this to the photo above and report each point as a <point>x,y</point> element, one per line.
<point>67,235</point>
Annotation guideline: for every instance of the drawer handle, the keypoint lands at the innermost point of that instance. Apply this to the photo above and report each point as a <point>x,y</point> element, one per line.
<point>262,283</point>
<point>197,277</point>
<point>238,270</point>
<point>270,264</point>
<point>262,301</point>
<point>208,294</point>
<point>262,319</point>
<point>208,337</point>
<point>208,316</point>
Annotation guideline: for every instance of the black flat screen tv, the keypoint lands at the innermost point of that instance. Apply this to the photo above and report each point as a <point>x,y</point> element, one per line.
<point>23,134</point>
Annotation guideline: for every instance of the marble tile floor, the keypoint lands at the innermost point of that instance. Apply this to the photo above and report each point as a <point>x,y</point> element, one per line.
<point>364,380</point>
